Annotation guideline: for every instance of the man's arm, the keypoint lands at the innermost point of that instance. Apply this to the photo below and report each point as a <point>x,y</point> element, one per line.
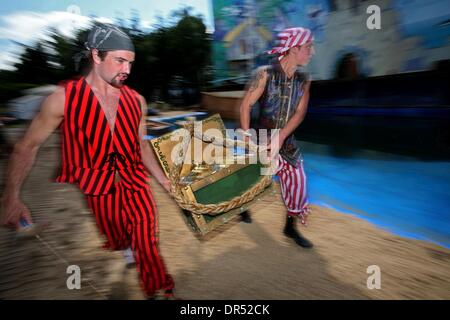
<point>24,154</point>
<point>148,156</point>
<point>253,93</point>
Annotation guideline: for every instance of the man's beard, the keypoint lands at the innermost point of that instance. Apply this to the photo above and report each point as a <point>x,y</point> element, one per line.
<point>119,80</point>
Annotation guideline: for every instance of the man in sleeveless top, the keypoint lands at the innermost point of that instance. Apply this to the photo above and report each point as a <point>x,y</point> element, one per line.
<point>102,123</point>
<point>282,92</point>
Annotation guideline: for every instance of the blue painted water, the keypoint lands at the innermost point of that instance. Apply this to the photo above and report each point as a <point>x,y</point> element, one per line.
<point>197,114</point>
<point>403,195</point>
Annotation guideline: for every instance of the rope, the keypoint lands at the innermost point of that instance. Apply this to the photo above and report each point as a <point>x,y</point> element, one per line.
<point>214,209</point>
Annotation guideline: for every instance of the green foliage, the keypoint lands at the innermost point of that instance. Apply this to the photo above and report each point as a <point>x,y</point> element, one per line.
<point>176,52</point>
<point>171,55</point>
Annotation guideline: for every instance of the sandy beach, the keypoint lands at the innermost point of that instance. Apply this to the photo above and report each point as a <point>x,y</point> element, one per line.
<point>238,261</point>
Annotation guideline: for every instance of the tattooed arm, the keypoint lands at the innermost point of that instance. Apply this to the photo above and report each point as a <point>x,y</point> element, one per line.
<point>253,93</point>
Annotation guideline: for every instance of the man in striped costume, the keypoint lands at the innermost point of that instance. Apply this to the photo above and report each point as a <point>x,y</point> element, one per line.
<point>282,92</point>
<point>102,122</point>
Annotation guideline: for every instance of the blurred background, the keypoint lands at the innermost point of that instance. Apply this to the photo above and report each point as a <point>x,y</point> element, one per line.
<point>383,90</point>
<point>376,138</point>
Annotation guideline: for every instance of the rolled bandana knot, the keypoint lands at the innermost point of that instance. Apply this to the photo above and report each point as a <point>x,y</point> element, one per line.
<point>289,38</point>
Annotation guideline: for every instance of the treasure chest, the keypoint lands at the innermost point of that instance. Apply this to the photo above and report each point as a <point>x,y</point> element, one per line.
<point>209,181</point>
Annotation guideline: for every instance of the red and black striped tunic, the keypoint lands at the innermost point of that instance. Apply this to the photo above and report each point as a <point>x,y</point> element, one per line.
<point>91,152</point>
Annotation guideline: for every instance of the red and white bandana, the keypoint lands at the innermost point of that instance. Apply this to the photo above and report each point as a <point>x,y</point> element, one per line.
<point>289,38</point>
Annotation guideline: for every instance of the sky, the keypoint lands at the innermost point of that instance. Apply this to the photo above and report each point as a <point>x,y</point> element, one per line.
<point>25,21</point>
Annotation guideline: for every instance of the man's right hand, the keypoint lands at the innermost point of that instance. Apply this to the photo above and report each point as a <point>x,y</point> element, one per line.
<point>12,211</point>
<point>22,158</point>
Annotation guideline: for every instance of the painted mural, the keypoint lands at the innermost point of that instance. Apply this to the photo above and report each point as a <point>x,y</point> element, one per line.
<point>414,34</point>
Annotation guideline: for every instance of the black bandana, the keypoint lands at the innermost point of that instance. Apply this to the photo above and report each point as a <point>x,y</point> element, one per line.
<point>105,37</point>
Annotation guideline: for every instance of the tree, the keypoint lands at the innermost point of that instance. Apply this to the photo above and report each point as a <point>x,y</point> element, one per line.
<point>177,50</point>
<point>34,66</point>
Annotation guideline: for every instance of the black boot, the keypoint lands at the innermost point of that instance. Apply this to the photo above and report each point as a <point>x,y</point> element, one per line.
<point>245,217</point>
<point>291,232</point>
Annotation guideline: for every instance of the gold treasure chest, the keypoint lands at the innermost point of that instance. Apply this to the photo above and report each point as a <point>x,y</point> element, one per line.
<point>209,180</point>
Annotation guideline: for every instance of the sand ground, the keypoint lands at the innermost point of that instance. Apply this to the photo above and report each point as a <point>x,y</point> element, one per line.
<point>238,261</point>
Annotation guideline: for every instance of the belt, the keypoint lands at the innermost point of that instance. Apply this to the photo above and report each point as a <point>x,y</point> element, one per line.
<point>112,158</point>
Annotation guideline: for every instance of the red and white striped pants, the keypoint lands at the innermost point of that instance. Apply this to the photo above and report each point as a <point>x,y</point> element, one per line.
<point>128,217</point>
<point>293,188</point>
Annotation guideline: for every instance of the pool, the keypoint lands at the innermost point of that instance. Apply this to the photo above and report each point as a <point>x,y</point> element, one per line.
<point>173,119</point>
<point>401,194</point>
